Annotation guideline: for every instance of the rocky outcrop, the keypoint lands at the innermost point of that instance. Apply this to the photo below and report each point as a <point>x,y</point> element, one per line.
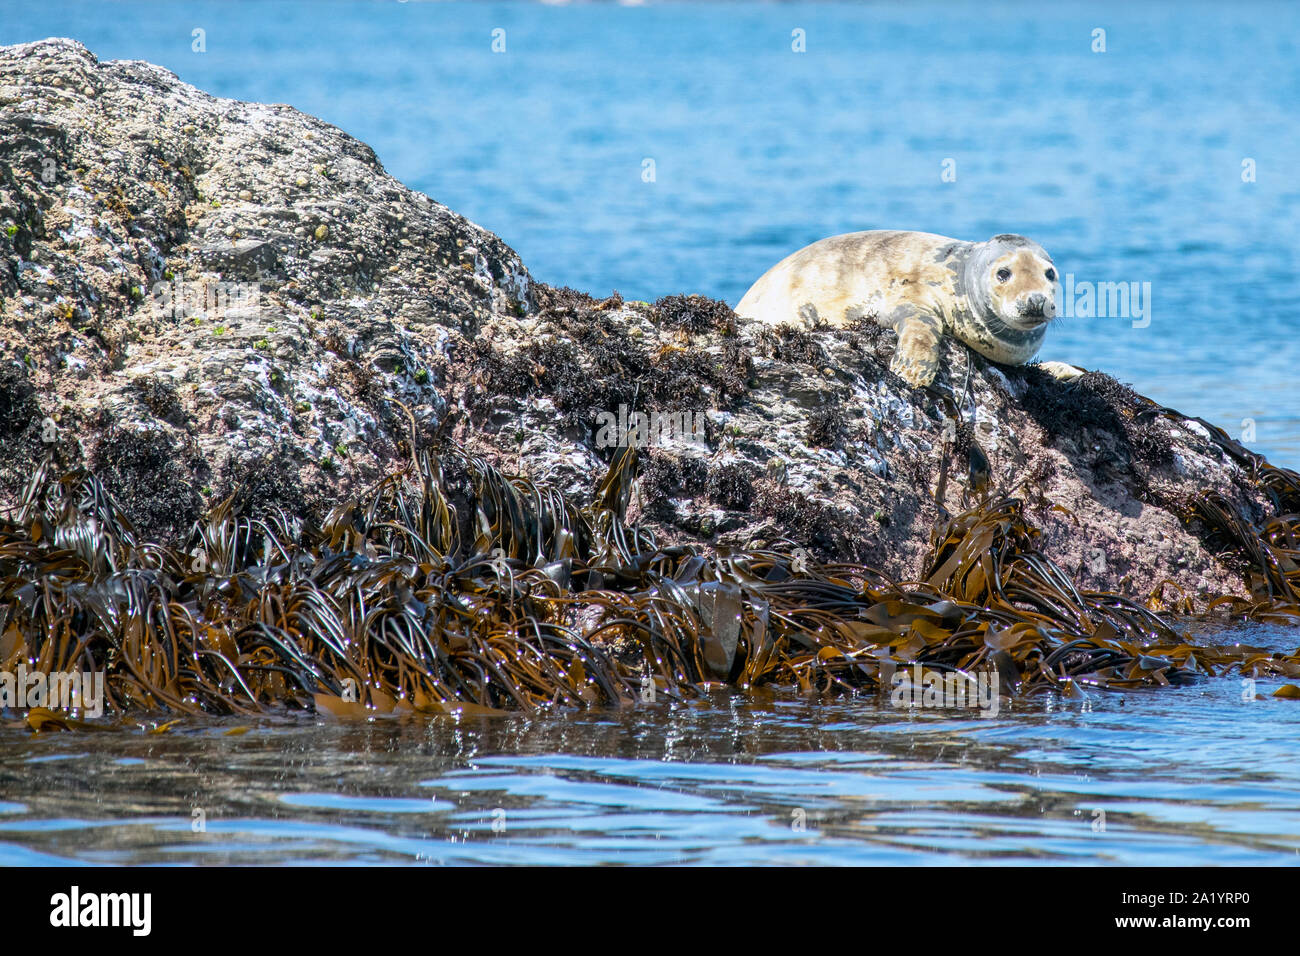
<point>201,297</point>
<point>200,294</point>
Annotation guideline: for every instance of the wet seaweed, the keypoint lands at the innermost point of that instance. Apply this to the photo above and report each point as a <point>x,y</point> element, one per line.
<point>826,426</point>
<point>451,586</point>
<point>1098,402</point>
<point>1265,551</point>
<point>731,485</point>
<point>694,314</point>
<point>789,343</point>
<point>586,364</point>
<point>665,476</point>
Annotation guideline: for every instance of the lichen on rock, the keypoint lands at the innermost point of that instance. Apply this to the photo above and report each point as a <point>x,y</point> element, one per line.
<point>253,264</point>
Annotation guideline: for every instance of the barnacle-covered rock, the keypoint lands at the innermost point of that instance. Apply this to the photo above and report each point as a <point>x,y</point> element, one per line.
<point>256,264</point>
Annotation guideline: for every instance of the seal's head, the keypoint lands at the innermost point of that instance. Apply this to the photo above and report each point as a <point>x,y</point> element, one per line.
<point>1014,279</point>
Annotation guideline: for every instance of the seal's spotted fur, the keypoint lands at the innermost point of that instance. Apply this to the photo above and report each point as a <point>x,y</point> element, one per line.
<point>996,296</point>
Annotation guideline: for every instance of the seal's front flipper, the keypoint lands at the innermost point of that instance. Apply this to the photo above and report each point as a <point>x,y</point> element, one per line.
<point>917,357</point>
<point>1060,371</point>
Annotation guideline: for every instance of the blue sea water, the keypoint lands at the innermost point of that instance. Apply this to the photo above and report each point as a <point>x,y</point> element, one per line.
<point>1126,164</point>
<point>1179,776</point>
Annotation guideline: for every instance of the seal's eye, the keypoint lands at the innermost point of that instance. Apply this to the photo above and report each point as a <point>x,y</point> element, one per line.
<point>1051,275</point>
<point>1004,275</point>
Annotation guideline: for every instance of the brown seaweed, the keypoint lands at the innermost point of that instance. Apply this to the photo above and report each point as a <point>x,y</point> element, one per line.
<point>393,606</point>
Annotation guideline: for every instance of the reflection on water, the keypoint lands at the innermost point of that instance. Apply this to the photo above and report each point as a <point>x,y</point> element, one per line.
<point>1193,775</point>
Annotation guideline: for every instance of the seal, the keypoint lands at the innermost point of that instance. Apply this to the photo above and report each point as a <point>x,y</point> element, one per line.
<point>996,296</point>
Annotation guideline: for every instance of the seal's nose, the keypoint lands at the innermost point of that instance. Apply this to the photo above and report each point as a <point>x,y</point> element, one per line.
<point>1035,305</point>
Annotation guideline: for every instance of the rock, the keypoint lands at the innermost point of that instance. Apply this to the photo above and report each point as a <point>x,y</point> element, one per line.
<point>847,465</point>
<point>350,318</point>
<point>116,218</point>
<point>241,259</point>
